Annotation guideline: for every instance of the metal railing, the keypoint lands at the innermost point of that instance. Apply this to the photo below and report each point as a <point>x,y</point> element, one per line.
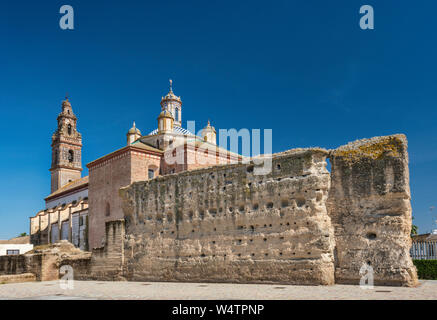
<point>424,250</point>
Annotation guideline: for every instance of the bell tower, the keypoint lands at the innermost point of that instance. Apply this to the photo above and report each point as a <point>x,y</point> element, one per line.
<point>173,103</point>
<point>66,149</point>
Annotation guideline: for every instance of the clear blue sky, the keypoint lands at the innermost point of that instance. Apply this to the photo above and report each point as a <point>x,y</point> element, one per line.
<point>303,68</point>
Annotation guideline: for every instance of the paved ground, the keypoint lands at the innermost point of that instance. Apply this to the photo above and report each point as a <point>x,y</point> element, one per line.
<point>207,291</point>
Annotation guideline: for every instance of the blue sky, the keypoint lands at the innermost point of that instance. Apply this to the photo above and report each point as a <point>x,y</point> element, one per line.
<point>303,68</point>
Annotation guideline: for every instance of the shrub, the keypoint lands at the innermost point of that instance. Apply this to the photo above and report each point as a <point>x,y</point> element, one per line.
<point>426,269</point>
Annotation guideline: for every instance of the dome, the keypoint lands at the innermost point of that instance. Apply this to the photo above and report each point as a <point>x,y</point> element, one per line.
<point>134,130</point>
<point>66,102</point>
<point>209,127</point>
<point>165,114</point>
<point>170,97</point>
<point>176,130</point>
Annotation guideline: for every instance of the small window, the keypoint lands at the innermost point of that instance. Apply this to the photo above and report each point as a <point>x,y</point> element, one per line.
<point>70,155</point>
<point>80,221</point>
<point>69,129</point>
<point>151,173</point>
<point>12,252</point>
<point>108,210</point>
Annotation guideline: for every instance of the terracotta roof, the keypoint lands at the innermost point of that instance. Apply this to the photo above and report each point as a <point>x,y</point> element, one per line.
<point>70,186</point>
<point>17,240</point>
<point>201,143</point>
<point>137,144</point>
<point>141,145</point>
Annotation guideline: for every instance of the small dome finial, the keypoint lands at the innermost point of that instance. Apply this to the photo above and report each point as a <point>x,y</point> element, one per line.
<point>134,124</point>
<point>171,85</point>
<point>66,96</point>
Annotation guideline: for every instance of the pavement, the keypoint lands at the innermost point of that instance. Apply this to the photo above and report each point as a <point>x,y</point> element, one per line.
<point>101,290</point>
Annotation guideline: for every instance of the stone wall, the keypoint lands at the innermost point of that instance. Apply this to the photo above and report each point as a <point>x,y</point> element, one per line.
<point>107,261</point>
<point>369,205</point>
<point>13,264</point>
<point>295,225</point>
<point>44,262</point>
<point>227,224</point>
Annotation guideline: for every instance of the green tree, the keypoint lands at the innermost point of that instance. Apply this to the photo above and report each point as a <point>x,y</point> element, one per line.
<point>414,229</point>
<point>23,234</point>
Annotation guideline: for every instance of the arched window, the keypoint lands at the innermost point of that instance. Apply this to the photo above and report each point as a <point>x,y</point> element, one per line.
<point>108,210</point>
<point>70,155</point>
<point>151,173</point>
<point>176,117</point>
<point>69,129</point>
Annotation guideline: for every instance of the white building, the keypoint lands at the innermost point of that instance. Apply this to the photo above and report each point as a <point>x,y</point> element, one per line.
<point>15,246</point>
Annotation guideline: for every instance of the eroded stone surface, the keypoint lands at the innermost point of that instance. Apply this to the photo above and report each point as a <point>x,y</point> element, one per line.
<point>369,204</point>
<point>226,224</point>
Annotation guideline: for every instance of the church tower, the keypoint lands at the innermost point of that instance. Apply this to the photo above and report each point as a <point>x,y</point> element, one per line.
<point>66,149</point>
<point>173,103</point>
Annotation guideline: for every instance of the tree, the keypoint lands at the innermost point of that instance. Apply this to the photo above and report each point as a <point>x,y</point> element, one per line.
<point>414,229</point>
<point>23,234</point>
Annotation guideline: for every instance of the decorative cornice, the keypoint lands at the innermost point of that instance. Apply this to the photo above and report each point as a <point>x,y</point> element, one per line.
<point>120,154</point>
<point>66,192</point>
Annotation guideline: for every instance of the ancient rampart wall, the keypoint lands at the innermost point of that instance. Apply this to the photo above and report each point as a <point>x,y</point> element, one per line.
<point>369,205</point>
<point>295,225</point>
<point>227,224</point>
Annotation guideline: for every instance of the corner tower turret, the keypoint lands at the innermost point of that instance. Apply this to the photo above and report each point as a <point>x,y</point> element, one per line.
<point>133,135</point>
<point>209,134</point>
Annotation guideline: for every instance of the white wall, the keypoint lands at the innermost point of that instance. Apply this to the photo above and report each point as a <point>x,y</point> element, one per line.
<point>22,247</point>
<point>67,199</point>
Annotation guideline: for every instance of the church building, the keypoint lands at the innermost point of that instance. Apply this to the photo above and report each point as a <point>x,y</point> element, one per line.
<point>78,207</point>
